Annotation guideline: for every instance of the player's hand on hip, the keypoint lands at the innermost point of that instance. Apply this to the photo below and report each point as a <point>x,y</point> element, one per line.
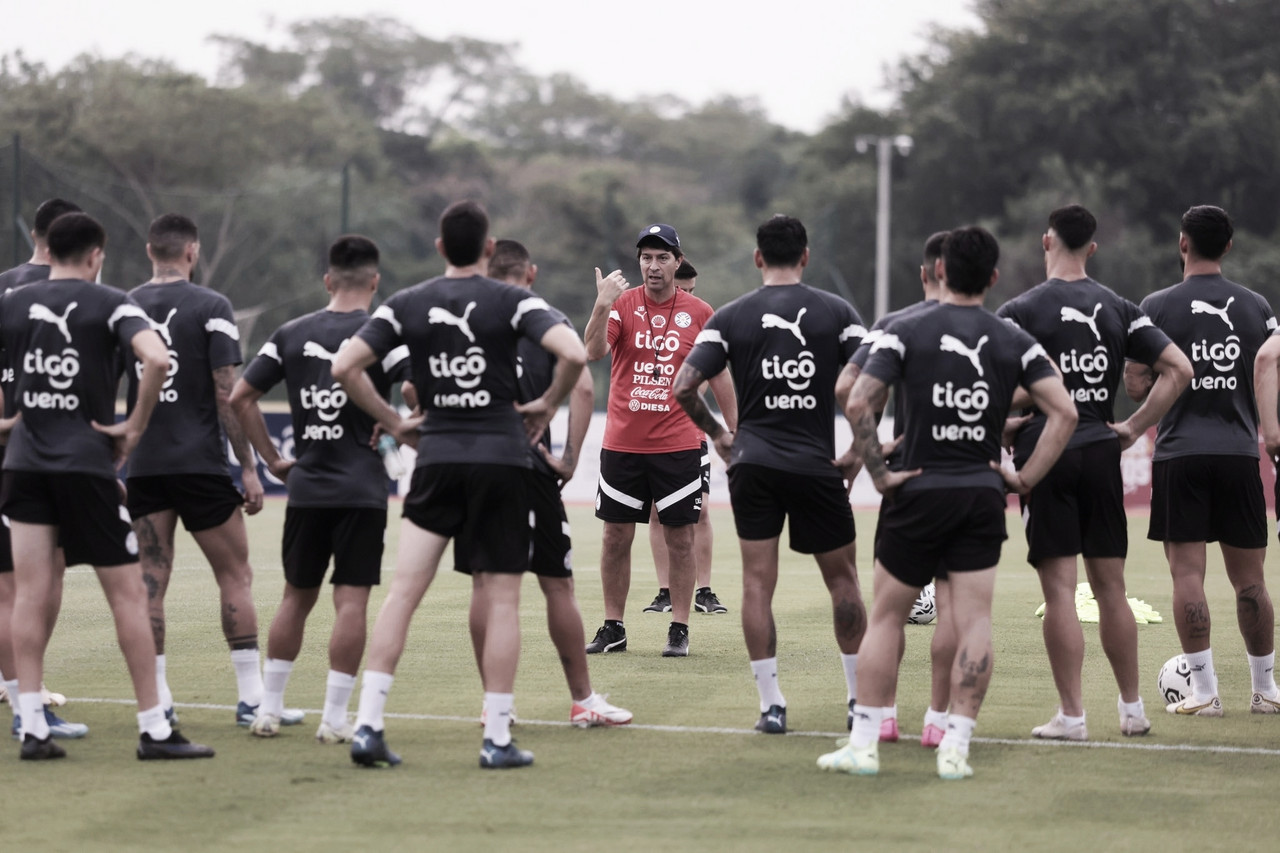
<point>537,415</point>
<point>280,468</point>
<point>7,425</point>
<point>610,287</point>
<point>890,480</point>
<point>1126,433</point>
<point>1010,430</point>
<point>564,469</point>
<point>1012,479</point>
<point>124,438</point>
<point>723,445</point>
<point>252,486</point>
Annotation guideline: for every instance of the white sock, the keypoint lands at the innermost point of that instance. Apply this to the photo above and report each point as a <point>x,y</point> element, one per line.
<point>1132,709</point>
<point>890,711</point>
<point>275,677</point>
<point>248,676</point>
<point>152,722</point>
<point>1204,681</point>
<point>33,721</point>
<point>1071,721</point>
<point>11,688</point>
<point>162,684</point>
<point>850,663</point>
<point>373,699</point>
<point>1262,670</point>
<point>866,726</point>
<point>959,733</point>
<point>766,675</point>
<point>497,725</point>
<point>935,718</point>
<point>337,694</point>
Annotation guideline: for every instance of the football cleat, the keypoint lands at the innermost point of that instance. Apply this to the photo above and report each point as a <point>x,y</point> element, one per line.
<point>1059,729</point>
<point>1132,725</point>
<point>848,759</point>
<point>1194,706</point>
<point>246,714</point>
<point>705,601</point>
<point>173,747</point>
<point>369,749</point>
<point>1260,704</point>
<point>661,602</point>
<point>889,730</point>
<point>932,736</point>
<point>265,725</point>
<point>952,765</point>
<point>58,727</point>
<point>35,749</point>
<point>327,734</point>
<point>773,721</point>
<point>501,757</point>
<point>609,638</point>
<point>677,642</point>
<point>601,714</point>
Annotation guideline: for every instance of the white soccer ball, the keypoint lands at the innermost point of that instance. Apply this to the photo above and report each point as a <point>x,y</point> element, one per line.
<point>925,610</point>
<point>1175,679</point>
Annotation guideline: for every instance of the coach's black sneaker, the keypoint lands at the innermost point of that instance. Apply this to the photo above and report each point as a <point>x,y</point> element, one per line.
<point>369,749</point>
<point>611,637</point>
<point>773,721</point>
<point>677,641</point>
<point>500,757</point>
<point>705,601</point>
<point>174,746</point>
<point>661,602</point>
<point>34,749</point>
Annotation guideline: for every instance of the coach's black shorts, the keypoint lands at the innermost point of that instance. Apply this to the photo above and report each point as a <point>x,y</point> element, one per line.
<point>1208,499</point>
<point>202,501</point>
<point>352,536</point>
<point>817,508</point>
<point>630,482</point>
<point>552,555</point>
<point>1078,508</point>
<point>935,533</point>
<point>93,525</point>
<point>485,509</point>
<point>706,469</point>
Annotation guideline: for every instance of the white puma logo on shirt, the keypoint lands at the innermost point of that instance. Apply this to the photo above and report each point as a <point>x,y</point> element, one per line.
<point>312,349</point>
<point>43,312</point>
<point>1200,307</point>
<point>442,315</point>
<point>955,345</point>
<point>163,328</point>
<point>1091,320</point>
<point>773,321</point>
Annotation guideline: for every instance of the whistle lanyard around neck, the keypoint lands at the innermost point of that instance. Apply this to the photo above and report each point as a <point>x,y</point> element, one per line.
<point>657,349</point>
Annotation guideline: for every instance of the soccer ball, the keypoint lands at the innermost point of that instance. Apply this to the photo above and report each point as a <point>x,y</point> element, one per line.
<point>925,610</point>
<point>1175,679</point>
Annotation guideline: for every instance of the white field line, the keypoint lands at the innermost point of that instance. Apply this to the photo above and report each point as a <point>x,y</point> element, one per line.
<point>1139,745</point>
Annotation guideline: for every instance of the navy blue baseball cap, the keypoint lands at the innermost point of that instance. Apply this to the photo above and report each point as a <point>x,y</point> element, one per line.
<point>665,233</point>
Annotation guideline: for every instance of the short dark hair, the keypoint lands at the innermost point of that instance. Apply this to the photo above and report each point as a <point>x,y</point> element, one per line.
<point>1074,226</point>
<point>73,235</point>
<point>510,260</point>
<point>661,245</point>
<point>1208,230</point>
<point>933,251</point>
<point>353,260</point>
<point>970,255</point>
<point>685,271</point>
<point>782,240</point>
<point>464,227</point>
<point>169,235</point>
<point>50,210</point>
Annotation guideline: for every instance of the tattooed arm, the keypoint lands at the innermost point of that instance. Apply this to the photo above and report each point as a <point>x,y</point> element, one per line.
<point>688,381</point>
<point>869,396</point>
<point>224,380</point>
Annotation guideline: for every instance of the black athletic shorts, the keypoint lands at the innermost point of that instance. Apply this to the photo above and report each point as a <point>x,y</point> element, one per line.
<point>352,536</point>
<point>934,533</point>
<point>93,525</point>
<point>820,518</point>
<point>6,549</point>
<point>1078,508</point>
<point>484,508</point>
<point>202,501</point>
<point>1208,499</point>
<point>552,548</point>
<point>706,469</point>
<point>630,482</point>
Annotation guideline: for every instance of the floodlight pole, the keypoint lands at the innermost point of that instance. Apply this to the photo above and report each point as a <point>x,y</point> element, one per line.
<point>885,146</point>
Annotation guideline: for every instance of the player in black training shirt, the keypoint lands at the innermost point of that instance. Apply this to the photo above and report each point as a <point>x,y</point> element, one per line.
<point>551,560</point>
<point>35,270</point>
<point>942,647</point>
<point>179,470</point>
<point>957,367</point>
<point>65,339</point>
<point>1205,483</point>
<point>786,343</point>
<point>1078,508</point>
<point>462,330</point>
<point>337,483</point>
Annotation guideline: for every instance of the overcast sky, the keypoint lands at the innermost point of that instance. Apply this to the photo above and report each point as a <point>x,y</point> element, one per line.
<point>797,57</point>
